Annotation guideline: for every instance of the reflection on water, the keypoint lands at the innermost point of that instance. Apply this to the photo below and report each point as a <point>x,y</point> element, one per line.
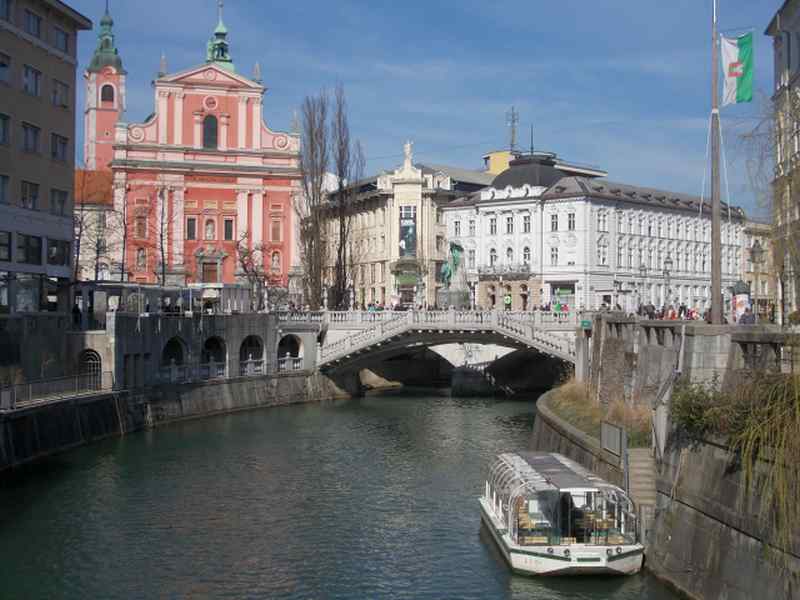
<point>370,498</point>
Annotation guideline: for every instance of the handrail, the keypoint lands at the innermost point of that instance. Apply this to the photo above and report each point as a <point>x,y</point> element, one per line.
<point>19,395</point>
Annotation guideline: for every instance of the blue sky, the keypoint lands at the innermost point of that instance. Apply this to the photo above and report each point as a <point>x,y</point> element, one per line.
<point>619,84</point>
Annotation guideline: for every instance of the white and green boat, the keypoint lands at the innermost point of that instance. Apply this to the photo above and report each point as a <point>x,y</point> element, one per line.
<point>550,516</point>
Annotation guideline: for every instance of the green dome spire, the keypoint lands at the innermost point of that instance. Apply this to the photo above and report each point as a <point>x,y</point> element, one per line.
<point>106,54</point>
<point>218,50</point>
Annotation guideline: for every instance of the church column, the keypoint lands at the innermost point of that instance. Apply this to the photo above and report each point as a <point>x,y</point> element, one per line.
<point>224,121</point>
<point>177,227</point>
<point>256,124</point>
<point>242,122</point>
<point>178,131</point>
<point>258,218</point>
<point>197,118</point>
<point>163,114</point>
<point>160,229</point>
<point>241,215</point>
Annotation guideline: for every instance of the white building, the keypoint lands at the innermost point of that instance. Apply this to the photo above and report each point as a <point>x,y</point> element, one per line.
<point>547,230</point>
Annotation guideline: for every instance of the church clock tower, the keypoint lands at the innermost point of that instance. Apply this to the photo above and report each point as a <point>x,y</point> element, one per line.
<point>105,97</point>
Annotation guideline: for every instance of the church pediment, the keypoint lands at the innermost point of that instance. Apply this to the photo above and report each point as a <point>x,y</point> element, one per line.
<point>210,74</point>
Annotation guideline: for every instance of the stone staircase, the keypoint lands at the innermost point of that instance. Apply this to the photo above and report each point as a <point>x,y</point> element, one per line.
<point>642,474</point>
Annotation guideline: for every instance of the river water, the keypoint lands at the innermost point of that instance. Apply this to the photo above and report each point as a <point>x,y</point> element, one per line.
<point>362,499</point>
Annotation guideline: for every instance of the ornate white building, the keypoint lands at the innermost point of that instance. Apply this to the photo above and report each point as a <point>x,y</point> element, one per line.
<point>547,230</point>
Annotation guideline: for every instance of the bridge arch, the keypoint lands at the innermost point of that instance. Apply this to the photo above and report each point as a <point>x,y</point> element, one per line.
<point>174,352</point>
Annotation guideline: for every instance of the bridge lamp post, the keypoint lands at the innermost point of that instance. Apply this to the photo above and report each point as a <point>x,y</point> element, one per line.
<point>757,256</point>
<point>667,270</point>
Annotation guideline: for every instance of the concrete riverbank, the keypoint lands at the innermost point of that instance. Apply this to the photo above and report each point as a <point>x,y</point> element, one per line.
<point>702,541</point>
<point>44,429</point>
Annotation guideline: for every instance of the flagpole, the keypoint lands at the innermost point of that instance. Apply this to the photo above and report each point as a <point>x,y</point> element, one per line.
<point>716,224</point>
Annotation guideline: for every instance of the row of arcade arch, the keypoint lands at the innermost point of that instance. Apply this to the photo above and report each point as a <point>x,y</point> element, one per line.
<point>215,359</point>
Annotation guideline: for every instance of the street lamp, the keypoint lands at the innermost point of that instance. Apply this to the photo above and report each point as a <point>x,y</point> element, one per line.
<point>667,269</point>
<point>756,255</point>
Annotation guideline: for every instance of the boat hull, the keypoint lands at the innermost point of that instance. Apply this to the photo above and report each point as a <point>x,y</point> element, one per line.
<point>583,559</point>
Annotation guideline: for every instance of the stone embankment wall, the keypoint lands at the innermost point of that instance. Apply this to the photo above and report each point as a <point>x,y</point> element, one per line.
<point>39,431</point>
<point>553,434</point>
<point>706,541</point>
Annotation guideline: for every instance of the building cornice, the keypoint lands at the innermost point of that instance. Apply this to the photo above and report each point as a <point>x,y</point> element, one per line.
<point>204,168</point>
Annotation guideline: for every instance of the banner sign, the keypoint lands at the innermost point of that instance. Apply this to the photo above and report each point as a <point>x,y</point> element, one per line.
<point>408,231</point>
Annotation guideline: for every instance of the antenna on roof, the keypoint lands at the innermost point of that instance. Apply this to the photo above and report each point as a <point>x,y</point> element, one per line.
<point>512,120</point>
<point>531,139</point>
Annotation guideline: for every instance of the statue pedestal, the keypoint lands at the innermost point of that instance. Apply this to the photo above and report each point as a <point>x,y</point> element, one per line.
<point>457,299</point>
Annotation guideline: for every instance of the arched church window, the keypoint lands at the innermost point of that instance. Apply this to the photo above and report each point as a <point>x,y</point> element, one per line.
<point>141,258</point>
<point>107,93</point>
<point>210,229</point>
<point>210,132</point>
<point>276,263</point>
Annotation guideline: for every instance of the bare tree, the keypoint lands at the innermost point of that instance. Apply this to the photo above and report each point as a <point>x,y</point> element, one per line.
<point>251,264</point>
<point>314,160</point>
<point>348,163</point>
<point>773,169</point>
<point>92,193</point>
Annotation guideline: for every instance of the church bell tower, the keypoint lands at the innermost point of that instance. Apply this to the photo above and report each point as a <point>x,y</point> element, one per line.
<point>105,97</point>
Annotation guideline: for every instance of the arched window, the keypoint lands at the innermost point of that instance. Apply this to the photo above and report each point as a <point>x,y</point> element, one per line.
<point>107,93</point>
<point>510,256</point>
<point>276,262</point>
<point>210,230</point>
<point>141,258</point>
<point>526,255</point>
<point>492,257</point>
<point>210,132</point>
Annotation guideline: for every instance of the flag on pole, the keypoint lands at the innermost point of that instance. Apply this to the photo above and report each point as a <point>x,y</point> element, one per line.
<point>737,67</point>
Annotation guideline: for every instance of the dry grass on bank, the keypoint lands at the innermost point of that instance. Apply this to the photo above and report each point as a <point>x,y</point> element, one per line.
<point>571,402</point>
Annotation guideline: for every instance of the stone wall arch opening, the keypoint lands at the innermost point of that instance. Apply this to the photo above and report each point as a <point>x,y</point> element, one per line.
<point>251,355</point>
<point>90,369</point>
<point>174,353</point>
<point>290,353</point>
<point>213,350</point>
<point>213,358</point>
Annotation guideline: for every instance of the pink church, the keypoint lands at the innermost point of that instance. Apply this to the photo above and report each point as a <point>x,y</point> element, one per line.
<point>200,178</point>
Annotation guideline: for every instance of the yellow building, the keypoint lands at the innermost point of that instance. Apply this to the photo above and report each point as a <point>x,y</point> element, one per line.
<point>498,161</point>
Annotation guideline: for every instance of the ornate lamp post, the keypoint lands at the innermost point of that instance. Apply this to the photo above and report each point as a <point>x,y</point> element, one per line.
<point>757,256</point>
<point>667,270</point>
<point>643,275</point>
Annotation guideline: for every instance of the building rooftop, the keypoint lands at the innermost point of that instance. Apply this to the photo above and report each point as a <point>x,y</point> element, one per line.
<point>609,190</point>
<point>94,187</point>
<point>458,174</point>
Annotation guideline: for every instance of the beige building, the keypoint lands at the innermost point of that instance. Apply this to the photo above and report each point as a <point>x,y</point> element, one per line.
<point>784,28</point>
<point>758,268</point>
<point>38,41</point>
<point>398,235</point>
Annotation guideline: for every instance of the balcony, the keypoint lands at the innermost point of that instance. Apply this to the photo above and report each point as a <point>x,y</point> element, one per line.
<point>507,271</point>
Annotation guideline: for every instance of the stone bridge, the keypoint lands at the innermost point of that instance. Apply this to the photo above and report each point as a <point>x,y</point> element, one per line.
<point>381,334</point>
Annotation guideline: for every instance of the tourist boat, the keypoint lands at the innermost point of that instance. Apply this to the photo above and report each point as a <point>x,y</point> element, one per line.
<point>550,516</point>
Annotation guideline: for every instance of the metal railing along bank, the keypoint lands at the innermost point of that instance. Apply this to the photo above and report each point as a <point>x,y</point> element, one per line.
<point>21,395</point>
